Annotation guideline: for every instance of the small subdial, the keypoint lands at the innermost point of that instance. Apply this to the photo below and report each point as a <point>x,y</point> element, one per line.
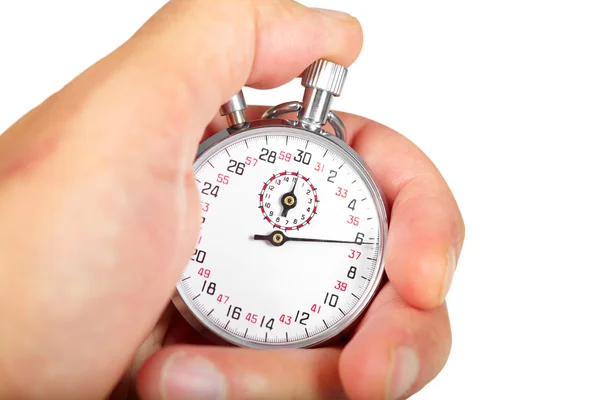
<point>288,201</point>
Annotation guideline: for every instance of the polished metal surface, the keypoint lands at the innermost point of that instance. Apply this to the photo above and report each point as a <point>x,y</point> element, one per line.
<point>315,107</point>
<point>233,110</point>
<point>338,126</point>
<point>281,109</point>
<point>323,80</point>
<point>325,75</point>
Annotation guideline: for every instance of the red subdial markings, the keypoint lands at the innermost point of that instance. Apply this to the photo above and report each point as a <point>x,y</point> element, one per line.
<point>289,190</point>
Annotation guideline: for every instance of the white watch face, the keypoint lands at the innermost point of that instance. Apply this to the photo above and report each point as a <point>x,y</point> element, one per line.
<point>289,251</point>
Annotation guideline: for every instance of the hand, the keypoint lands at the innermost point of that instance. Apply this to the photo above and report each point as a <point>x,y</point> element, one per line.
<point>99,214</point>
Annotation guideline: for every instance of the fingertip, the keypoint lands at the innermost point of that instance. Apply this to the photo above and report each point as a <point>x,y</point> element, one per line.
<point>185,371</point>
<point>148,380</point>
<point>420,268</point>
<point>311,33</point>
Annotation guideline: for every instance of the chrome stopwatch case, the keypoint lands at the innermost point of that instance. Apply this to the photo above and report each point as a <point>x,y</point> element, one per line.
<point>290,250</point>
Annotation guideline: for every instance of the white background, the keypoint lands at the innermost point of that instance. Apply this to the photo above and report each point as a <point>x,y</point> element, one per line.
<point>504,96</point>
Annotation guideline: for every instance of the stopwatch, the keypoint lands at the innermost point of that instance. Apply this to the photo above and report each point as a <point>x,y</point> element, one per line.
<point>291,243</point>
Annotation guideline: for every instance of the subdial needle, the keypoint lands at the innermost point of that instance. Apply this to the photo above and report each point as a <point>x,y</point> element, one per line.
<point>278,238</point>
<point>289,200</point>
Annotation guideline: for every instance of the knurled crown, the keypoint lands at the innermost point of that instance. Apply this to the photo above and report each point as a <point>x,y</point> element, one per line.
<point>326,76</point>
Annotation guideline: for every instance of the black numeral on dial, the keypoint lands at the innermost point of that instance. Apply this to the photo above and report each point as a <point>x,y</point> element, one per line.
<point>269,323</point>
<point>352,273</point>
<point>303,157</point>
<point>210,190</point>
<point>267,156</point>
<point>211,287</point>
<point>332,175</point>
<point>331,299</point>
<point>236,167</point>
<point>301,317</point>
<point>199,256</point>
<point>234,312</point>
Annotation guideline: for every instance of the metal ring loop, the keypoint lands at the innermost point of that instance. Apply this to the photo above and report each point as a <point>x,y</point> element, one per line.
<point>295,106</point>
<point>281,109</point>
<point>337,124</point>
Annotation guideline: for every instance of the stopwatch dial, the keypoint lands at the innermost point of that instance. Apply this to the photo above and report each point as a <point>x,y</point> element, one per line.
<point>288,200</point>
<point>289,250</point>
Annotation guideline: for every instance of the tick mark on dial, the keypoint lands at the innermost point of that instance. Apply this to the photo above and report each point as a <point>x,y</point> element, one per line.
<point>267,140</point>
<point>326,326</point>
<point>286,337</point>
<point>354,181</point>
<point>246,333</point>
<point>326,150</point>
<point>369,258</point>
<point>209,163</point>
<point>195,297</point>
<point>186,278</point>
<point>306,330</point>
<point>266,333</point>
<point>340,167</point>
<point>227,151</point>
<point>364,277</point>
<point>286,140</point>
<point>227,324</point>
<point>245,141</point>
<point>370,218</point>
<point>364,199</point>
<point>342,311</point>
<point>356,296</point>
<point>208,315</point>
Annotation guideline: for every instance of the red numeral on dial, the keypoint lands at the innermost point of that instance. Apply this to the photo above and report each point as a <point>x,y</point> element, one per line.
<point>222,298</point>
<point>286,319</point>
<point>315,308</point>
<point>204,272</point>
<point>320,167</point>
<point>353,220</point>
<point>354,254</point>
<point>343,193</point>
<point>253,318</point>
<point>341,286</point>
<point>251,161</point>
<point>205,206</point>
<point>285,156</point>
<point>223,179</point>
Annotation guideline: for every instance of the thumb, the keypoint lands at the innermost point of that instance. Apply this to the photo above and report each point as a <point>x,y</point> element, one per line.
<point>102,171</point>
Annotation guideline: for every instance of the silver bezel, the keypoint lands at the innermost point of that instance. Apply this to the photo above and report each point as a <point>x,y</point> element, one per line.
<point>279,126</point>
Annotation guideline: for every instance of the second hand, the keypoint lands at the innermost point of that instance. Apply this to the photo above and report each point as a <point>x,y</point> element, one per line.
<point>278,238</point>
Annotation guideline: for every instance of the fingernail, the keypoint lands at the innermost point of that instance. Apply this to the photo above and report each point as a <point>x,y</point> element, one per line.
<point>450,268</point>
<point>404,372</point>
<point>334,13</point>
<point>187,377</point>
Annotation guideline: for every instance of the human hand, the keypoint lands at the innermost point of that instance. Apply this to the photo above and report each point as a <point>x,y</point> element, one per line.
<point>95,232</point>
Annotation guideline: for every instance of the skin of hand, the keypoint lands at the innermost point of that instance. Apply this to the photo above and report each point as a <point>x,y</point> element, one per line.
<point>99,214</point>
